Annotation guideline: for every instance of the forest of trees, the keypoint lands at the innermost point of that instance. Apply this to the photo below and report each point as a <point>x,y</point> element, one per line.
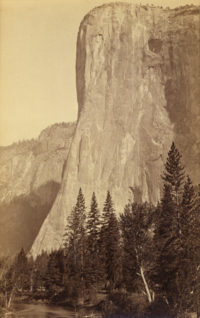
<point>146,263</point>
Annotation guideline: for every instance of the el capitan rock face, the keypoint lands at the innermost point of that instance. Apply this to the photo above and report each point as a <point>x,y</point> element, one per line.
<point>31,173</point>
<point>138,89</point>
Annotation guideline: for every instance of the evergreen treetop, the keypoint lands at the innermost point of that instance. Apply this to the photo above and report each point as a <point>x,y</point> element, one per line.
<point>174,172</point>
<point>107,210</point>
<point>92,250</point>
<point>76,220</point>
<point>188,199</point>
<point>93,218</point>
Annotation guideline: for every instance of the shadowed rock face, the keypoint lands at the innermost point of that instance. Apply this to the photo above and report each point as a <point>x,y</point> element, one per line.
<point>22,217</point>
<point>138,89</point>
<point>31,174</point>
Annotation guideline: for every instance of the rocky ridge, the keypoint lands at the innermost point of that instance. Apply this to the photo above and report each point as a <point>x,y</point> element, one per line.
<point>26,165</point>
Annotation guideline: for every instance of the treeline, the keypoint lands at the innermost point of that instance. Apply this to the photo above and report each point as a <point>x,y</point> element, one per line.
<point>144,264</point>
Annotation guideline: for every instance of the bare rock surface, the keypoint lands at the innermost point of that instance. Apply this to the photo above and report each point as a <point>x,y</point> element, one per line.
<point>27,165</point>
<point>31,173</point>
<point>138,78</point>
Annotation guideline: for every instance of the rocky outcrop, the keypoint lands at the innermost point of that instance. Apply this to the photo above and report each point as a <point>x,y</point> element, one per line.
<point>138,89</point>
<point>27,165</point>
<point>31,174</point>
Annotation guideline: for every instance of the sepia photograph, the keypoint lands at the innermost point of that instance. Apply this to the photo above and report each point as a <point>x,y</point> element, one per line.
<point>99,159</point>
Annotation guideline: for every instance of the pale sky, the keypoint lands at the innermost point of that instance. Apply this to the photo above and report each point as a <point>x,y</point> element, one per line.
<point>37,62</point>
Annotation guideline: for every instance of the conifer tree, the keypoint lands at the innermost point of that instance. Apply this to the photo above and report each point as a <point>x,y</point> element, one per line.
<point>92,254</point>
<point>107,210</point>
<point>187,214</point>
<point>110,245</point>
<point>113,253</point>
<point>103,237</point>
<point>186,265</point>
<point>20,266</point>
<point>38,275</point>
<point>173,178</point>
<point>173,236</point>
<point>75,243</point>
<point>129,260</point>
<point>16,278</point>
<point>54,274</point>
<point>173,175</point>
<point>93,222</point>
<point>188,278</point>
<point>165,241</point>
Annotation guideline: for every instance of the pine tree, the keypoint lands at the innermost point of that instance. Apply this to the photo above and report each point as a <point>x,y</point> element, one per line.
<point>103,237</point>
<point>54,274</point>
<point>74,246</point>
<point>173,178</point>
<point>38,275</point>
<point>21,277</point>
<point>92,254</point>
<point>175,236</point>
<point>185,268</point>
<point>129,260</point>
<point>16,280</point>
<point>165,240</point>
<point>187,215</point>
<point>107,210</point>
<point>188,279</point>
<point>93,222</point>
<point>113,253</point>
<point>173,175</point>
<point>110,245</point>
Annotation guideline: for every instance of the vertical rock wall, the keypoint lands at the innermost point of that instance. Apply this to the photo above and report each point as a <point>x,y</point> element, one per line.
<point>138,89</point>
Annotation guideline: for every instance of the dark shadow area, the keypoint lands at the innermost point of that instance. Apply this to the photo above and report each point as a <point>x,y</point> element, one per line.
<point>155,45</point>
<point>21,219</point>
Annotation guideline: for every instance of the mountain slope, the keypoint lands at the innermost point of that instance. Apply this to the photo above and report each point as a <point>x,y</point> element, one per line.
<point>31,174</point>
<point>138,78</point>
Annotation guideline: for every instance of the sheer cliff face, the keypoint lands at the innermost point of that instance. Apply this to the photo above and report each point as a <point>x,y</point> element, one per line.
<point>138,89</point>
<point>31,174</point>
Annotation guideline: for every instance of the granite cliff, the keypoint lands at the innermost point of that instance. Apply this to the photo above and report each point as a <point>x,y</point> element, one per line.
<point>138,79</point>
<point>31,173</point>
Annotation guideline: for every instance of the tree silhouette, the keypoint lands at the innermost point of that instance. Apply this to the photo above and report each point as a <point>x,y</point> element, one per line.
<point>173,175</point>
<point>92,253</point>
<point>110,244</point>
<point>74,246</point>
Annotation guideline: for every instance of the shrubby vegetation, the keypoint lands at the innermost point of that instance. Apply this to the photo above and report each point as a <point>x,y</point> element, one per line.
<point>144,264</point>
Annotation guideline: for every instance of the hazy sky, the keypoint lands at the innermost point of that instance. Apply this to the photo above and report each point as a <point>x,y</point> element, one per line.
<point>37,62</point>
